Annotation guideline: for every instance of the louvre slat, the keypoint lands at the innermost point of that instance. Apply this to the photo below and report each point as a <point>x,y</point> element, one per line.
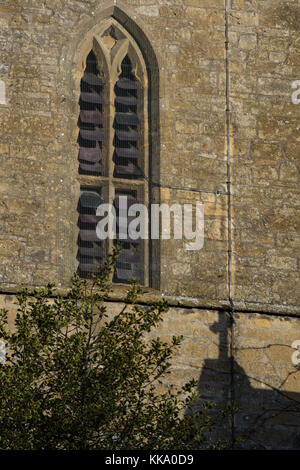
<point>95,168</point>
<point>90,154</point>
<point>126,84</point>
<point>127,274</point>
<point>124,274</point>
<point>128,256</point>
<point>130,200</point>
<point>92,135</point>
<point>130,135</point>
<point>126,100</point>
<point>90,218</point>
<point>90,200</point>
<point>91,98</point>
<point>91,117</point>
<point>92,79</point>
<point>88,236</point>
<point>91,252</point>
<point>131,152</point>
<point>127,240</point>
<point>88,268</point>
<point>127,119</point>
<point>129,169</point>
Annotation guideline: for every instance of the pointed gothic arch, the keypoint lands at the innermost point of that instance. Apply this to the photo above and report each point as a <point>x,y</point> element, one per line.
<point>119,126</point>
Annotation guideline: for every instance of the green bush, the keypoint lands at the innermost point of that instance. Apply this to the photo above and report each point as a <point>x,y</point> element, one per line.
<point>76,378</point>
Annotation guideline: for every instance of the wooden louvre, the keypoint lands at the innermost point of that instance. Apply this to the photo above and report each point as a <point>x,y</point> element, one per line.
<point>124,163</point>
<point>126,124</point>
<point>90,121</point>
<point>90,248</point>
<point>128,265</point>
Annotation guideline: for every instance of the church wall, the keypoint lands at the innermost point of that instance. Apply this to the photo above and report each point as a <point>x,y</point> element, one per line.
<point>39,189</point>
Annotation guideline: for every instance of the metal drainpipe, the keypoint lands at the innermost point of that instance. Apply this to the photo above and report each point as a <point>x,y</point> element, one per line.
<point>229,226</point>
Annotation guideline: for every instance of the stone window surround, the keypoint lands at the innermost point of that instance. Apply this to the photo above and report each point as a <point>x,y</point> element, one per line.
<point>71,65</point>
<point>110,45</point>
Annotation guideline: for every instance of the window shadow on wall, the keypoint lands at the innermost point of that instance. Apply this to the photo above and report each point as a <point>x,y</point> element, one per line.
<point>266,417</point>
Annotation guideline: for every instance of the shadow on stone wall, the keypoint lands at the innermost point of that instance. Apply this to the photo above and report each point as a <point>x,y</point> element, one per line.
<point>265,417</point>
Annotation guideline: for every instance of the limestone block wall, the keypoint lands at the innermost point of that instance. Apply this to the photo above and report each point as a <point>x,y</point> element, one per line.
<point>39,110</point>
<point>247,363</point>
<point>225,133</point>
<point>265,151</point>
<point>39,133</point>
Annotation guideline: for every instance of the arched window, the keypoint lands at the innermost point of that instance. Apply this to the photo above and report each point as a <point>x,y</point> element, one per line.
<point>90,122</point>
<point>113,150</point>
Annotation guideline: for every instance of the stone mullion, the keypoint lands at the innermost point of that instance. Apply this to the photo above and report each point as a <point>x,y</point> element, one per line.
<point>110,166</point>
<point>142,112</point>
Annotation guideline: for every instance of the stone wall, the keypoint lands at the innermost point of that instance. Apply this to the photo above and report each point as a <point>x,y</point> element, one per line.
<point>248,363</point>
<point>217,113</point>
